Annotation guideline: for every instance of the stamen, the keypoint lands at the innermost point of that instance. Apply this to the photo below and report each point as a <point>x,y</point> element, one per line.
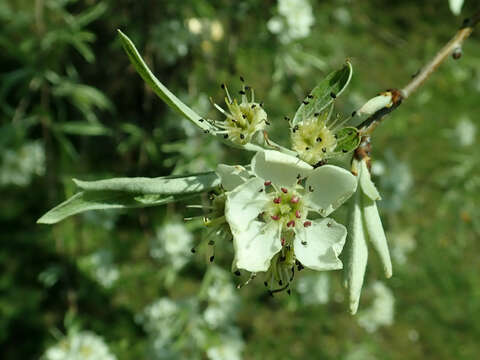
<point>277,200</point>
<point>310,188</point>
<point>282,241</point>
<point>291,223</point>
<point>304,242</point>
<point>333,95</point>
<point>193,251</point>
<point>212,258</point>
<point>242,136</point>
<point>267,183</point>
<point>237,273</point>
<point>295,199</point>
<point>284,190</point>
<point>305,102</point>
<point>318,139</point>
<point>307,223</point>
<point>297,214</point>
<point>275,217</point>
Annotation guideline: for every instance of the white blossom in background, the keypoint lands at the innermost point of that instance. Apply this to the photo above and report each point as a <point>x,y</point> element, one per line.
<point>465,132</point>
<point>314,288</point>
<point>381,312</point>
<point>403,243</point>
<point>101,267</point>
<point>82,345</point>
<point>230,346</point>
<point>294,20</point>
<point>172,243</point>
<point>455,6</point>
<point>19,166</point>
<point>222,298</point>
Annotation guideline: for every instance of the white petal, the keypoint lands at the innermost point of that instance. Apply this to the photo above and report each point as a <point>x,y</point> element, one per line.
<point>232,176</point>
<point>376,234</point>
<point>366,183</point>
<point>318,246</point>
<point>244,203</point>
<point>455,6</point>
<point>255,246</point>
<point>357,254</point>
<point>331,185</point>
<point>279,168</point>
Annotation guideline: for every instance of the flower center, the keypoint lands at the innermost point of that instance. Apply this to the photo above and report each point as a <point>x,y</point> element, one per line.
<point>313,140</point>
<point>286,207</point>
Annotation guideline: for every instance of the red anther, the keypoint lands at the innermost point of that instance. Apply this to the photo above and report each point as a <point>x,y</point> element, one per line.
<point>277,200</point>
<point>307,223</point>
<point>284,190</point>
<point>291,223</point>
<point>297,214</point>
<point>267,183</point>
<point>275,217</point>
<point>295,199</point>
<point>282,241</point>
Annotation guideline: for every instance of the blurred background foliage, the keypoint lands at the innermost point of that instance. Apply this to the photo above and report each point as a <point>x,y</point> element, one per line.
<point>124,284</point>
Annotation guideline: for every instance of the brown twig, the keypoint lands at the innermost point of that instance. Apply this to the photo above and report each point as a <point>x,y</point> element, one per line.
<point>453,47</point>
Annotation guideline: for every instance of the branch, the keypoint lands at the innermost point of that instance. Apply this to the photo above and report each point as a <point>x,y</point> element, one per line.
<point>453,47</point>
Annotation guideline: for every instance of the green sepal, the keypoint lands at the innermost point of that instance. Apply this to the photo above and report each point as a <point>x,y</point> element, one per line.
<point>333,84</point>
<point>348,140</point>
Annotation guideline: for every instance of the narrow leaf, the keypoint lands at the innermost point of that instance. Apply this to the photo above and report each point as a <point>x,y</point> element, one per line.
<point>102,200</point>
<point>161,185</point>
<point>376,234</point>
<point>366,183</point>
<point>357,253</point>
<point>324,93</point>
<point>160,89</point>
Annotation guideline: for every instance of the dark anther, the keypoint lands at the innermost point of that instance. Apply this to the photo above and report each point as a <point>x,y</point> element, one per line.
<point>318,139</point>
<point>307,148</point>
<point>316,114</point>
<point>354,113</point>
<point>225,136</point>
<point>270,293</point>
<point>260,190</point>
<point>310,188</point>
<point>193,250</point>
<point>310,96</point>
<point>242,136</point>
<point>247,87</point>
<point>241,92</point>
<point>287,118</point>
<point>253,106</point>
<point>280,282</point>
<point>305,102</point>
<point>222,86</point>
<point>295,128</point>
<point>237,273</point>
<point>324,150</point>
<point>211,242</point>
<point>336,136</point>
<point>242,79</point>
<point>282,258</point>
<point>289,291</point>
<point>201,120</point>
<point>244,116</point>
<point>344,151</point>
<point>212,257</point>
<point>261,104</point>
<point>333,95</point>
<point>267,122</point>
<point>265,283</point>
<point>206,131</point>
<point>299,176</point>
<point>304,243</point>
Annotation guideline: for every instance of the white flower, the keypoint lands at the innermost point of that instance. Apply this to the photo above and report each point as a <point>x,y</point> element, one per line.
<point>173,241</point>
<point>100,265</point>
<point>298,15</point>
<point>465,132</point>
<point>381,312</point>
<point>18,167</point>
<point>83,345</point>
<point>268,214</point>
<point>314,288</point>
<point>455,6</point>
<point>230,346</point>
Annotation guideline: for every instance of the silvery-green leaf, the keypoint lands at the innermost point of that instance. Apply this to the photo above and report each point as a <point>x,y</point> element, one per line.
<point>348,140</point>
<point>102,200</point>
<point>334,83</point>
<point>365,181</point>
<point>160,89</point>
<point>357,253</point>
<point>376,234</point>
<point>161,185</point>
